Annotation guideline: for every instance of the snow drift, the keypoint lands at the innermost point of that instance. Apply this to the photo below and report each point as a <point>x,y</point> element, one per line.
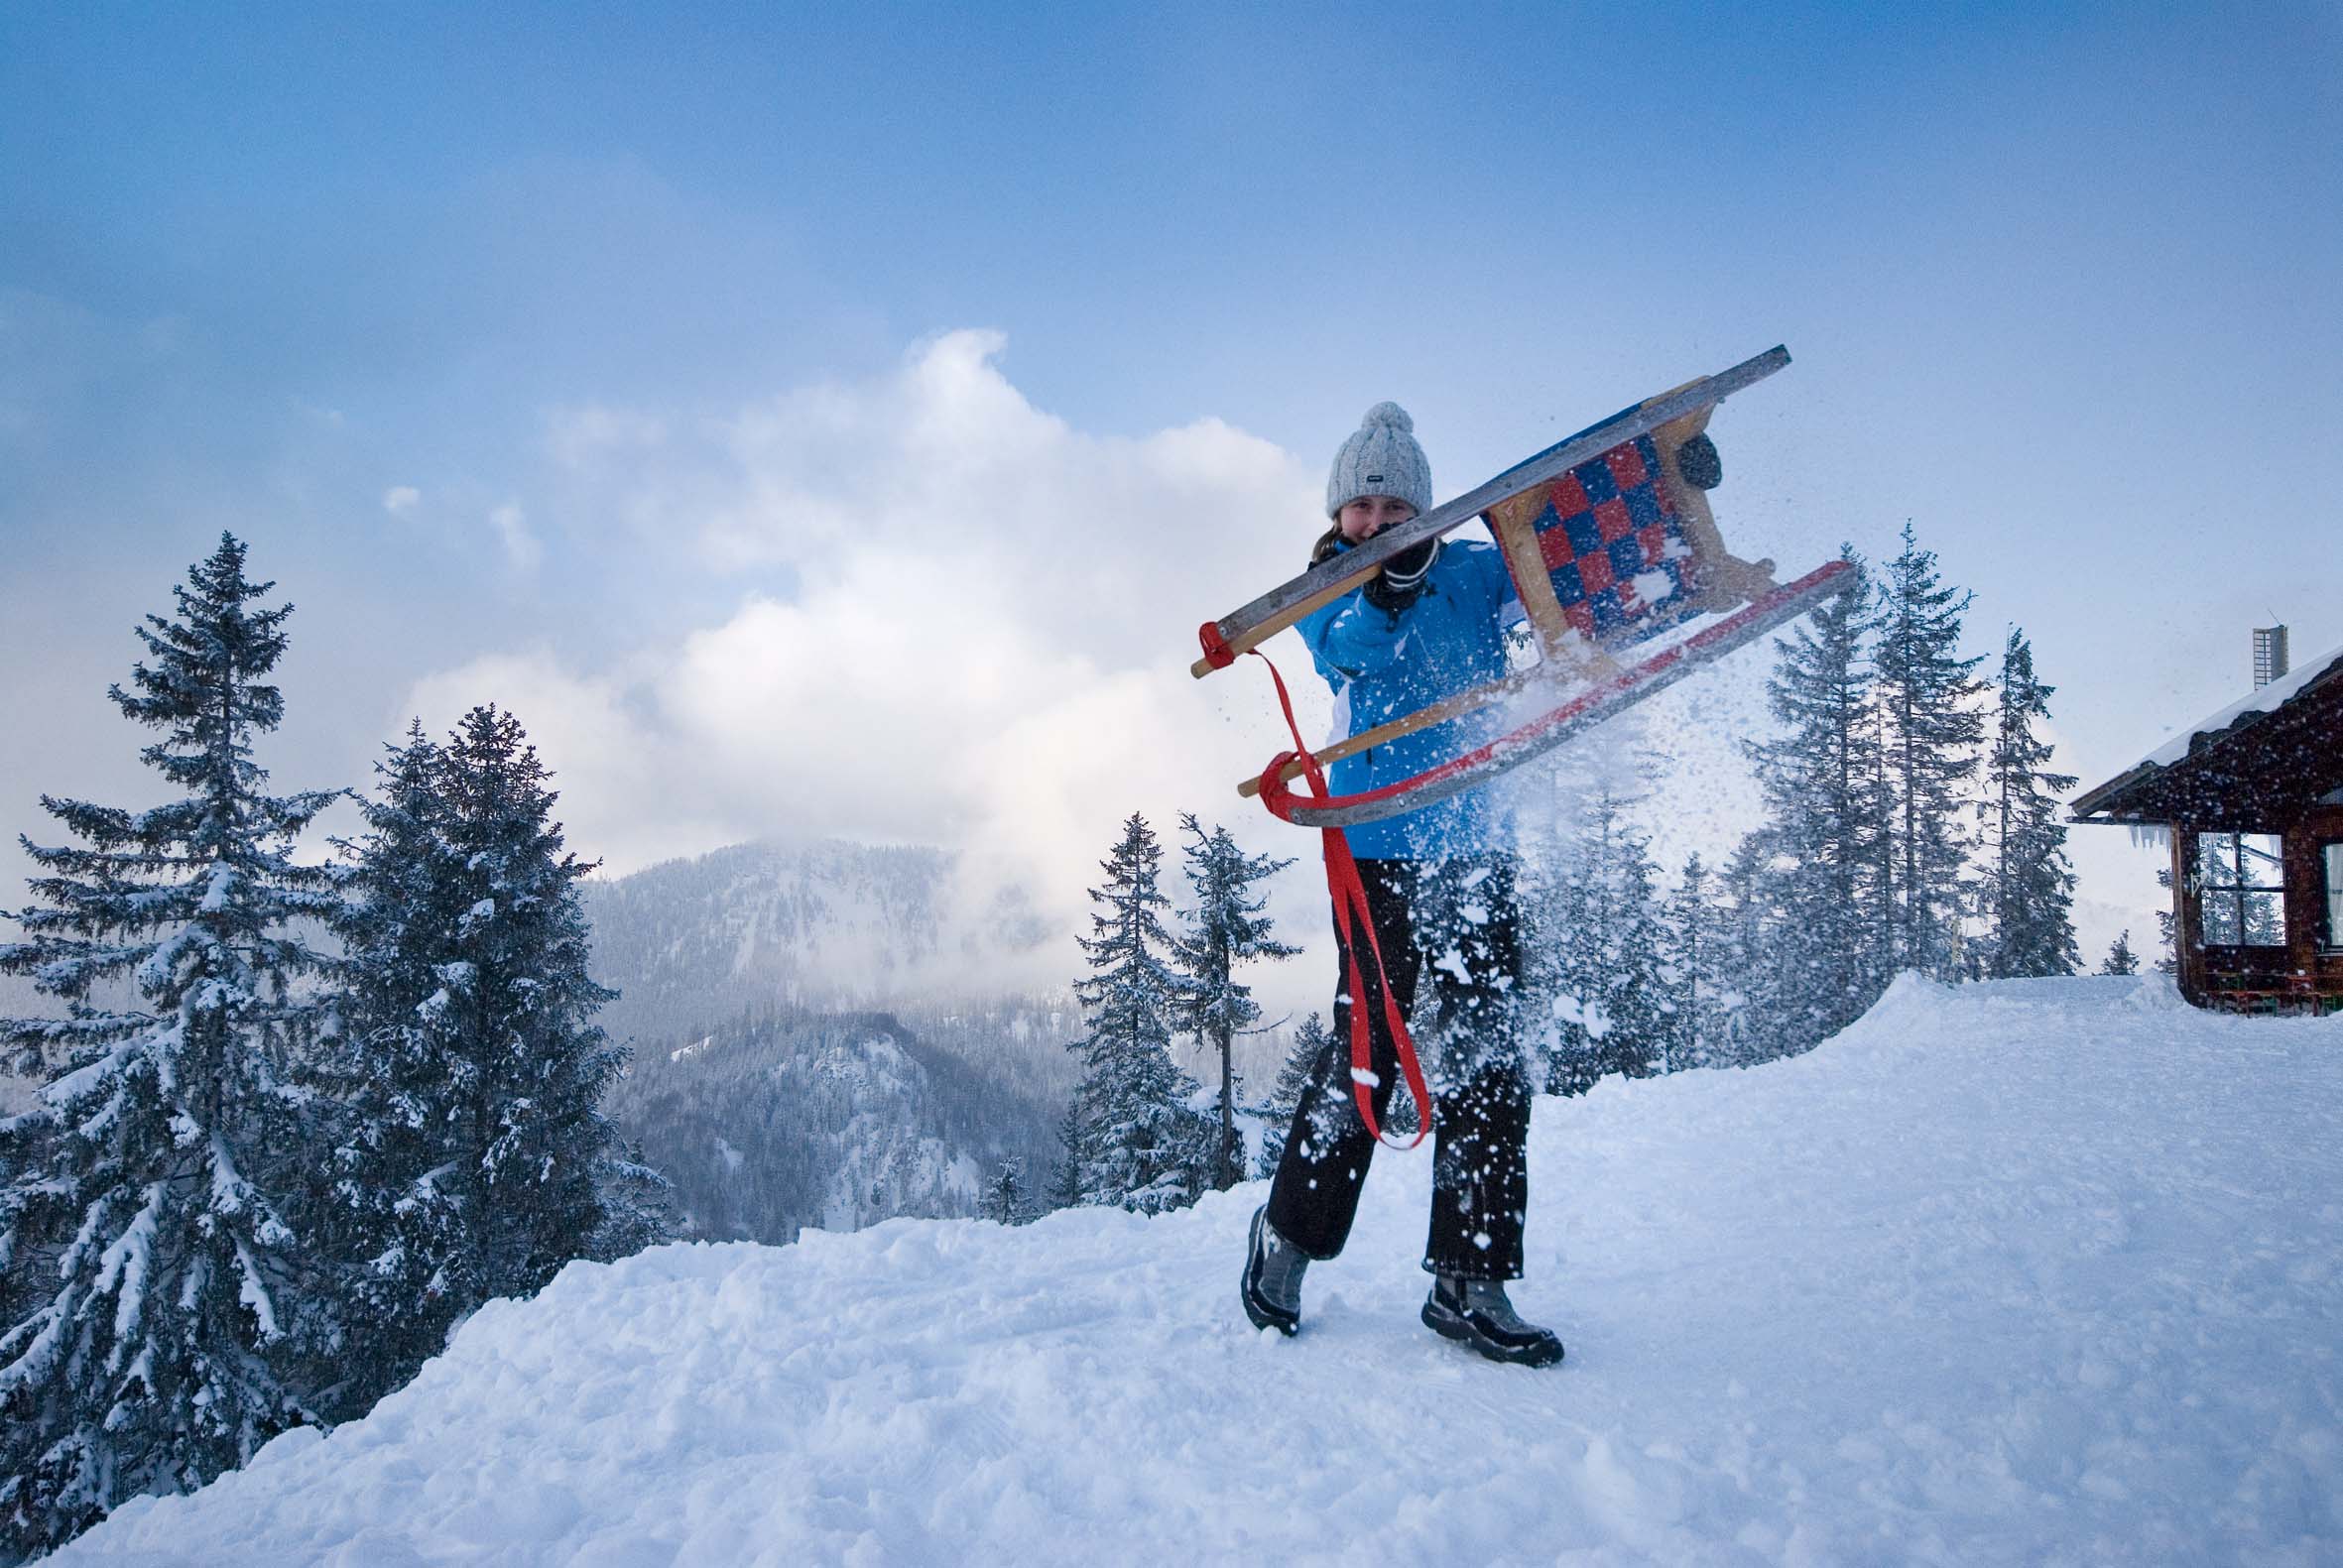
<point>2020,1272</point>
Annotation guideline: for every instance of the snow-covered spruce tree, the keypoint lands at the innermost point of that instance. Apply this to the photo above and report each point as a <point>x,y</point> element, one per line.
<point>2121,960</point>
<point>1592,1002</point>
<point>1139,1145</point>
<point>514,998</point>
<point>1635,998</point>
<point>1607,999</point>
<point>1687,972</point>
<point>1744,1025</point>
<point>638,1201</point>
<point>1004,1195</point>
<point>2028,897</point>
<point>1825,821</point>
<point>1226,929</point>
<point>401,1076</point>
<point>464,1010</point>
<point>1065,1186</point>
<point>157,1180</point>
<point>1277,1113</point>
<point>1931,731</point>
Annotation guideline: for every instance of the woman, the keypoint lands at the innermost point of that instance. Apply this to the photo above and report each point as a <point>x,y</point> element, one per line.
<point>1439,884</point>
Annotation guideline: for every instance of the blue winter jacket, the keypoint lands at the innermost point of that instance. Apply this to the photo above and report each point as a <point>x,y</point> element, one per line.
<point>1382,663</point>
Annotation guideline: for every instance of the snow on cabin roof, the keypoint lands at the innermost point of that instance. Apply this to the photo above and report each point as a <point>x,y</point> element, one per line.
<point>2238,715</point>
<point>2262,699</point>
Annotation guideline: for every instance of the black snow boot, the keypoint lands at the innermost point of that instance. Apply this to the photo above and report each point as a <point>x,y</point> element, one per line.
<point>1476,1313</point>
<point>1271,1289</point>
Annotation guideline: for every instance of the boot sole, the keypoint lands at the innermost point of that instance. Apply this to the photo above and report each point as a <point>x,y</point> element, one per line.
<point>1457,1326</point>
<point>1262,1313</point>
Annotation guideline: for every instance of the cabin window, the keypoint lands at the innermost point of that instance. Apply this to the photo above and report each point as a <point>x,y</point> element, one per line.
<point>2242,890</point>
<point>2330,864</point>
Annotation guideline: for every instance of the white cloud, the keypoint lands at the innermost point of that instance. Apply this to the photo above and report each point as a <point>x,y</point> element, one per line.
<point>987,648</point>
<point>400,500</point>
<point>596,434</point>
<point>520,548</point>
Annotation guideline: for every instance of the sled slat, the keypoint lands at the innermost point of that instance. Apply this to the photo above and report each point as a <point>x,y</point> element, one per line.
<point>1456,706</point>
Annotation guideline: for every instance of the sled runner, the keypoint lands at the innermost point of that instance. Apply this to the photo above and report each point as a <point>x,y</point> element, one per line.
<point>1608,547</point>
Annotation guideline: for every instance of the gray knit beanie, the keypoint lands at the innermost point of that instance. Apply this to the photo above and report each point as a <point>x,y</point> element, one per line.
<point>1381,458</point>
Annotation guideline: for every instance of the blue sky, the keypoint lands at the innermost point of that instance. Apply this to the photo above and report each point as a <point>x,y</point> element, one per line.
<point>577,282</point>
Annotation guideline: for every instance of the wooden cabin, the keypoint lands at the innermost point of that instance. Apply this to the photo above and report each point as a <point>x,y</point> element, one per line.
<point>2252,801</point>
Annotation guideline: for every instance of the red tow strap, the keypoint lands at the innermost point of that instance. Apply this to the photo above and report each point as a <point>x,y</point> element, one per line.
<point>1350,905</point>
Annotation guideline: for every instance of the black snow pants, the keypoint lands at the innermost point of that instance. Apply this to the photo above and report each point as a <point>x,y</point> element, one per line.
<point>1459,918</point>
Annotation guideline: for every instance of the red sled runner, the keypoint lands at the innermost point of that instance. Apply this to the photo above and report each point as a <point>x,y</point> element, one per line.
<point>1609,547</point>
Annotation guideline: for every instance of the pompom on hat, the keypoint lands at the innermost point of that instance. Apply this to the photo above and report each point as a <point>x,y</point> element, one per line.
<point>1381,458</point>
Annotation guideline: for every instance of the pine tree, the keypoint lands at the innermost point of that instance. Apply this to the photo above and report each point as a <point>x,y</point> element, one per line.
<point>1065,1188</point>
<point>1139,1145</point>
<point>465,1011</point>
<point>158,1178</point>
<point>1826,821</point>
<point>638,1204</point>
<point>1552,906</point>
<point>2028,891</point>
<point>2121,960</point>
<point>1687,973</point>
<point>1931,731</point>
<point>1635,995</point>
<point>1225,930</point>
<point>1559,963</point>
<point>515,993</point>
<point>1277,1113</point>
<point>402,1074</point>
<point>1744,1025</point>
<point>1600,927</point>
<point>1004,1196</point>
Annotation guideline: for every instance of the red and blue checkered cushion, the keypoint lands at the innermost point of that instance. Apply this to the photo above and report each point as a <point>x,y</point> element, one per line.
<point>1613,546</point>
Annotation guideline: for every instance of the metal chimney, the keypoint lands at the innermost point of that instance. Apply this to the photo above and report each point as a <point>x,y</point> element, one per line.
<point>2269,654</point>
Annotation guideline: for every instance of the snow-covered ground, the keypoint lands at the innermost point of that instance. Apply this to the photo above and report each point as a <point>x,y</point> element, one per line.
<point>2031,1273</point>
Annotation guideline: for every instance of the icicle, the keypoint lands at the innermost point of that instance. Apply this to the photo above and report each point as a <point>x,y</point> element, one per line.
<point>2150,835</point>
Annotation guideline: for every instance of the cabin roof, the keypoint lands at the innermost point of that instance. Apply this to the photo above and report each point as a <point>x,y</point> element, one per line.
<point>2275,747</point>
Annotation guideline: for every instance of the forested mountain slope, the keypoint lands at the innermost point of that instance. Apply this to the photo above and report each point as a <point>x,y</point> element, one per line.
<point>769,1124</point>
<point>803,1055</point>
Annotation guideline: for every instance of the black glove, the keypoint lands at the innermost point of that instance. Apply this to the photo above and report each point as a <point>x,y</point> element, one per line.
<point>1402,576</point>
<point>1698,462</point>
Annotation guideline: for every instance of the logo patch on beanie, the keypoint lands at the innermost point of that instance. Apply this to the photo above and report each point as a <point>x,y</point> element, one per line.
<point>1374,479</point>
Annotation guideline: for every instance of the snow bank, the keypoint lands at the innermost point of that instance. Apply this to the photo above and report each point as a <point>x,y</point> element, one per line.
<point>2015,1273</point>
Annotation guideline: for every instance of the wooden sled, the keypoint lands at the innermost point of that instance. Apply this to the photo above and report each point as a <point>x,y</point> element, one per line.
<point>1608,547</point>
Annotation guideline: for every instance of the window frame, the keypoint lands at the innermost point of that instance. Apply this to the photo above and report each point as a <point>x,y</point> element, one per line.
<point>2233,865</point>
<point>2328,854</point>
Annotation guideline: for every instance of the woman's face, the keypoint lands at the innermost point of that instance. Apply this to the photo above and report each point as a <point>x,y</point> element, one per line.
<point>1369,515</point>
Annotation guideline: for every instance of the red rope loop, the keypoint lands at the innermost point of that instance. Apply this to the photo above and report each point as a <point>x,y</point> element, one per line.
<point>1350,905</point>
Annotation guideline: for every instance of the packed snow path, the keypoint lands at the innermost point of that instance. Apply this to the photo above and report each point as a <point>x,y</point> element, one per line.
<point>2046,1271</point>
